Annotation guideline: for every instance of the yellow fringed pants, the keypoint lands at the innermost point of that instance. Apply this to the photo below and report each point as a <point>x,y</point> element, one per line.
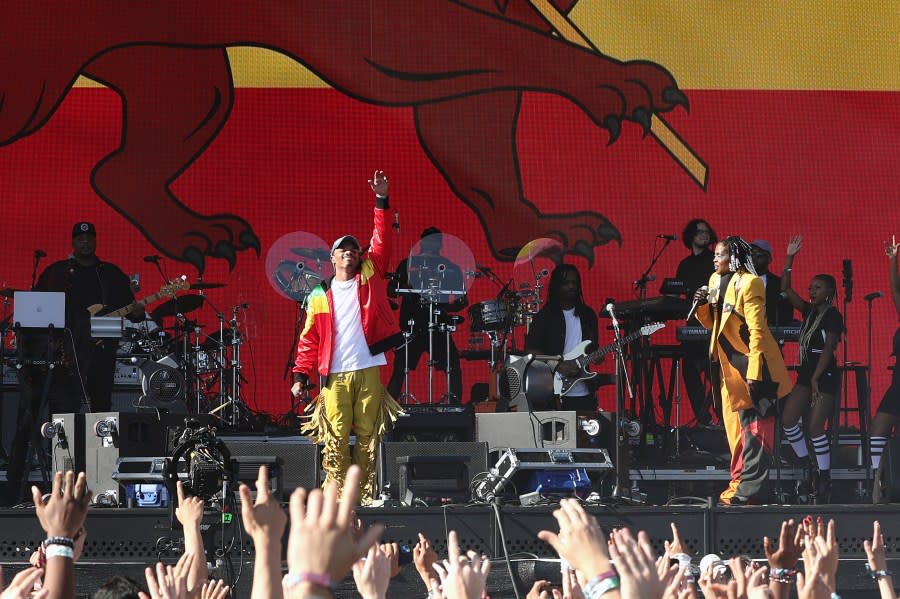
<point>356,402</point>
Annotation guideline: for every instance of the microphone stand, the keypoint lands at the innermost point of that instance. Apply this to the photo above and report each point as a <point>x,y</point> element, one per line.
<point>641,283</point>
<point>622,383</point>
<point>863,426</point>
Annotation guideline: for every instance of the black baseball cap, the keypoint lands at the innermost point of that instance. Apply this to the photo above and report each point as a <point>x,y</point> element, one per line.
<point>83,227</point>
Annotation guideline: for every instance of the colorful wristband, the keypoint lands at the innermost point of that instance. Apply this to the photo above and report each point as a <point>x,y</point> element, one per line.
<point>59,551</point>
<point>783,575</point>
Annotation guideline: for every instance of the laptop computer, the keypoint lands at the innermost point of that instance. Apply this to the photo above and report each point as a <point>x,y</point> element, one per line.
<point>39,309</point>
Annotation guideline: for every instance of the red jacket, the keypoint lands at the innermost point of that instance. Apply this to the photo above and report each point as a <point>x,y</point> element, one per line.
<point>316,345</point>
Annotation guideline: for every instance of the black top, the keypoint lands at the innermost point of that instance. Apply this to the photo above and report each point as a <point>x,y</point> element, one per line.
<point>832,322</point>
<point>101,283</point>
<point>694,270</point>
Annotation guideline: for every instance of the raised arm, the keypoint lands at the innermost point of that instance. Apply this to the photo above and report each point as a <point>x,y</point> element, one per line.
<point>793,247</point>
<point>891,250</point>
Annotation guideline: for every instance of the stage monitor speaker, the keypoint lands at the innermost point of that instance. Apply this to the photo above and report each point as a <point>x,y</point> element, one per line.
<point>886,488</point>
<point>527,429</point>
<point>475,451</point>
<point>299,457</point>
<point>109,436</point>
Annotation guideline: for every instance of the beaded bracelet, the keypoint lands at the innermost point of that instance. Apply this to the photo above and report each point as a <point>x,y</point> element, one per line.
<point>59,551</point>
<point>320,580</point>
<point>783,575</point>
<point>64,541</point>
<point>877,574</point>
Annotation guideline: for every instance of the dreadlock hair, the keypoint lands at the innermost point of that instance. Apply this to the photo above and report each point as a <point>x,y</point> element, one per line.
<point>813,320</point>
<point>741,256</point>
<point>687,235</point>
<point>556,280</point>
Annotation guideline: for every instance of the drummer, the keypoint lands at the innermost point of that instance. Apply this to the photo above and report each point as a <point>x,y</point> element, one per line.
<point>559,327</point>
<point>426,274</point>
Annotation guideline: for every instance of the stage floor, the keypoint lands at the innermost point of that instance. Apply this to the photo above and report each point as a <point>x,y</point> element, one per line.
<point>129,539</point>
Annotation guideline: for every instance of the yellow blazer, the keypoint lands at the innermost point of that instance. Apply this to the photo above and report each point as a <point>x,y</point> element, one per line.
<point>741,342</point>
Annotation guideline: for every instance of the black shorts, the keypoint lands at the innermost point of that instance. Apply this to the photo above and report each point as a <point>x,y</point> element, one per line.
<point>828,382</point>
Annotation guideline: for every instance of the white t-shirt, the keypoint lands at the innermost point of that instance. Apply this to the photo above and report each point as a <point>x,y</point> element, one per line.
<point>573,338</point>
<point>351,352</point>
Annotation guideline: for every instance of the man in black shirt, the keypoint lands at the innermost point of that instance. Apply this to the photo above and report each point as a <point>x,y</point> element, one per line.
<point>779,311</point>
<point>694,270</point>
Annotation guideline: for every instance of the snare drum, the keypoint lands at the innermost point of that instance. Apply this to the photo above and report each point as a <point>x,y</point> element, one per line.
<point>488,316</point>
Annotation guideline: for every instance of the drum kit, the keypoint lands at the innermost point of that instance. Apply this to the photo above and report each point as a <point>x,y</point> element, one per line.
<point>201,368</point>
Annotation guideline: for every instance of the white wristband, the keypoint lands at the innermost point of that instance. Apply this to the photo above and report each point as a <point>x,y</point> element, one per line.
<point>59,551</point>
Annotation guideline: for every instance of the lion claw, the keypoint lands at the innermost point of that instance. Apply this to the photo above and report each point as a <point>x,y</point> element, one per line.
<point>676,97</point>
<point>225,250</point>
<point>193,255</point>
<point>249,240</point>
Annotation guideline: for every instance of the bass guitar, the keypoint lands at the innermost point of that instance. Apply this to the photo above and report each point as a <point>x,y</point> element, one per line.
<point>171,288</point>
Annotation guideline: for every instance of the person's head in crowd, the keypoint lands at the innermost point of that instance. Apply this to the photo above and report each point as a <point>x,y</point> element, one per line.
<point>698,235</point>
<point>733,255</point>
<point>761,251</point>
<point>564,289</point>
<point>118,587</point>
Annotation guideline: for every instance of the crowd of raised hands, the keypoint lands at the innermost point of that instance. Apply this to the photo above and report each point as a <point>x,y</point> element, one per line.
<point>326,543</point>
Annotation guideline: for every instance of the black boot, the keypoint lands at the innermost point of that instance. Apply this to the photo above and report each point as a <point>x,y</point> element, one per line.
<point>806,485</point>
<point>823,487</point>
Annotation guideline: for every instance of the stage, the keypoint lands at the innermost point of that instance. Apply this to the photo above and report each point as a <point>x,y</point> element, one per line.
<point>124,541</point>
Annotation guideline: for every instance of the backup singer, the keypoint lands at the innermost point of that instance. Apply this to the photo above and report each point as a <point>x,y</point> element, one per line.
<point>747,361</point>
<point>349,326</point>
<point>559,327</point>
<point>812,399</point>
<point>888,414</point>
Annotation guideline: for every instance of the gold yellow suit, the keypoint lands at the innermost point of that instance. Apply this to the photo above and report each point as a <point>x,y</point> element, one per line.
<point>742,348</point>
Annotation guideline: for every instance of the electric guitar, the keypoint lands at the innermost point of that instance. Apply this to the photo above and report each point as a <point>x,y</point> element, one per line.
<point>563,384</point>
<point>173,287</point>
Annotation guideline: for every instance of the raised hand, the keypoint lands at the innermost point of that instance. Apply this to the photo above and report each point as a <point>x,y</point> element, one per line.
<point>372,574</point>
<point>875,549</point>
<point>379,183</point>
<point>214,589</point>
<point>462,576</point>
<point>64,513</point>
<point>789,546</point>
<point>580,540</point>
<point>794,245</point>
<point>318,520</point>
<point>168,582</point>
<point>22,585</point>
<point>636,564</point>
<point>264,519</point>
<point>424,557</point>
<point>890,249</point>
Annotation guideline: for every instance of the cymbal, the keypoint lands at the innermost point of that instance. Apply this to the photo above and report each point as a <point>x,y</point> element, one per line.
<point>205,285</point>
<point>320,254</point>
<point>177,305</point>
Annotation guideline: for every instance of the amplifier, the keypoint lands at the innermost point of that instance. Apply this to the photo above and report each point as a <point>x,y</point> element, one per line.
<point>127,371</point>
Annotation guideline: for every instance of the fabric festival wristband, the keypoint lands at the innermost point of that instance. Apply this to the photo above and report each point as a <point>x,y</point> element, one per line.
<point>319,580</point>
<point>597,588</point>
<point>64,541</point>
<point>59,551</point>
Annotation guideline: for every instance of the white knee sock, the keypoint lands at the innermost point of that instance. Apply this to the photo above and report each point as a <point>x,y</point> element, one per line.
<point>823,451</point>
<point>876,449</point>
<point>794,435</point>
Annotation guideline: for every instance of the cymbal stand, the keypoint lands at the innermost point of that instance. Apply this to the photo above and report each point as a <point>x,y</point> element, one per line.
<point>622,384</point>
<point>196,348</point>
<point>433,314</point>
<point>447,328</point>
<point>407,397</point>
<point>236,341</point>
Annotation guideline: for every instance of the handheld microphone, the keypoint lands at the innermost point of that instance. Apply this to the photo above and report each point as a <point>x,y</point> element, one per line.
<point>396,225</point>
<point>40,254</point>
<point>697,303</point>
<point>873,295</point>
<point>667,237</point>
<point>154,258</point>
